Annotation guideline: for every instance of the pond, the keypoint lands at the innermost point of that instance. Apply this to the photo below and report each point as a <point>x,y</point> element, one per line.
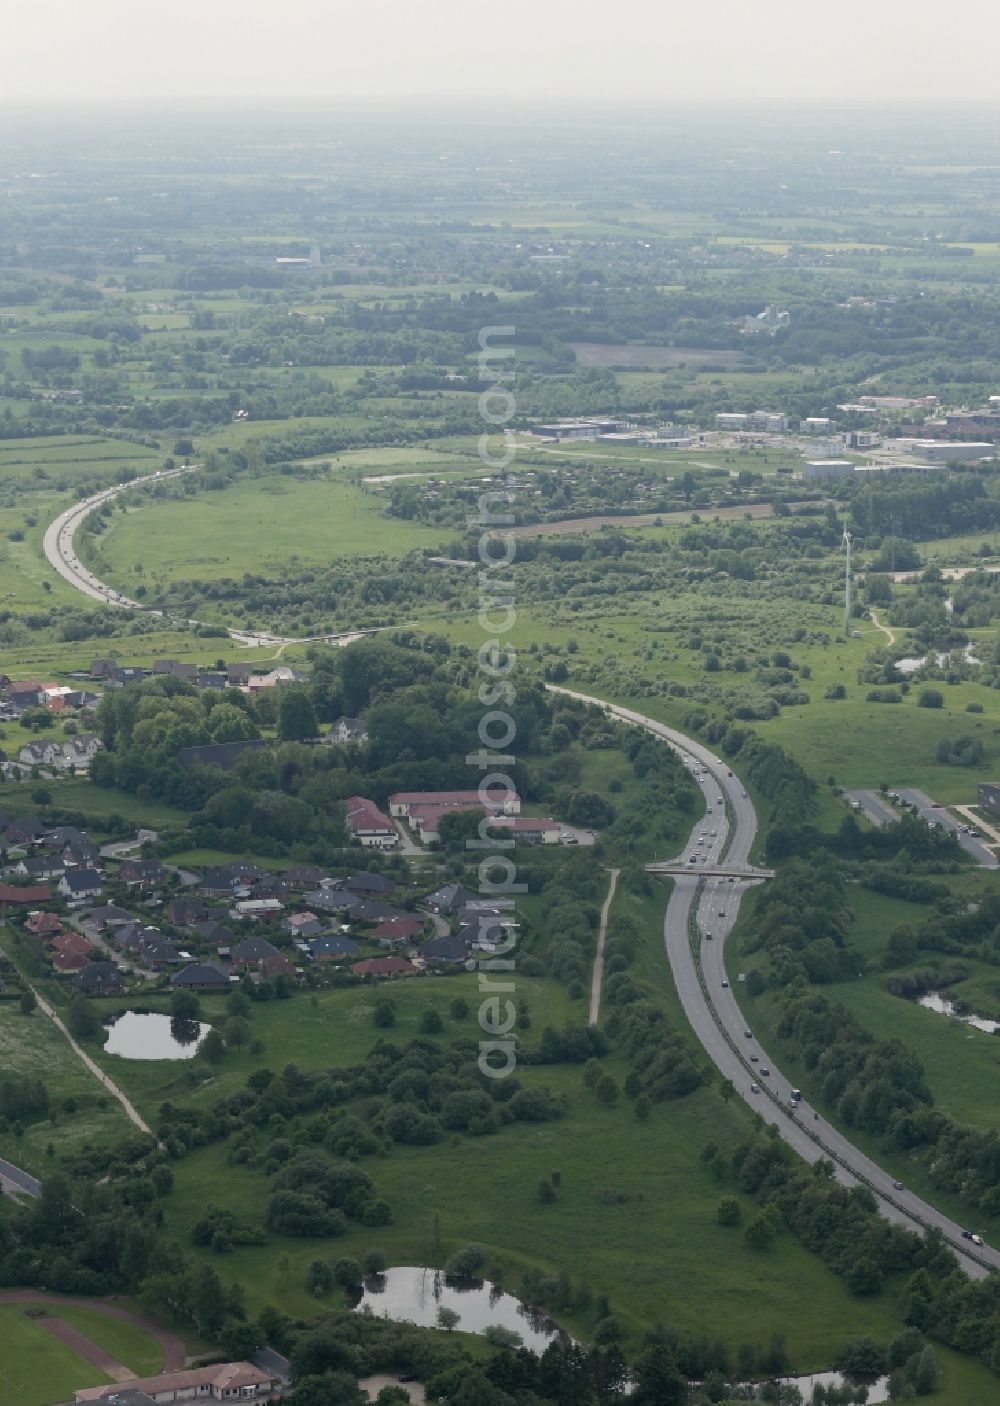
<point>934,1001</point>
<point>411,1294</point>
<point>878,1387</point>
<point>135,1035</point>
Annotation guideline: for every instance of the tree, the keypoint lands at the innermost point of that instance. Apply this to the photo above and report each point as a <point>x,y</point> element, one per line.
<point>930,698</point>
<point>296,715</point>
<point>729,1211</point>
<point>83,1020</point>
<point>448,1319</point>
<point>374,1262</point>
<point>864,1277</point>
<point>643,1108</point>
<point>431,1023</point>
<point>184,1005</point>
<point>658,1382</point>
<point>26,1002</point>
<point>465,1263</point>
<point>347,1273</point>
<point>607,1089</point>
<point>237,1031</point>
<point>385,1014</point>
<point>760,1232</point>
<point>212,1047</point>
<point>319,1278</point>
<point>546,1192</point>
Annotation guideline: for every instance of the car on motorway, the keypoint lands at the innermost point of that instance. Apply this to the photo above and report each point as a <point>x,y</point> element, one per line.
<point>795,1095</point>
<point>708,937</point>
<point>748,1034</point>
<point>971,1235</point>
<point>722,912</point>
<point>764,1070</point>
<point>898,1186</point>
<point>755,1088</point>
<point>754,1058</point>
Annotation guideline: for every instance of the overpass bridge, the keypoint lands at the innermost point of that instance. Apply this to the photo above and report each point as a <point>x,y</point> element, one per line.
<point>745,873</point>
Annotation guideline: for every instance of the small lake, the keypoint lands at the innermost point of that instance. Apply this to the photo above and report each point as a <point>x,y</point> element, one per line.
<point>934,1001</point>
<point>409,1294</point>
<point>878,1387</point>
<point>136,1036</point>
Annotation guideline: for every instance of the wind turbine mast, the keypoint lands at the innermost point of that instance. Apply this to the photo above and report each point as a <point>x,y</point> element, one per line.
<point>847,585</point>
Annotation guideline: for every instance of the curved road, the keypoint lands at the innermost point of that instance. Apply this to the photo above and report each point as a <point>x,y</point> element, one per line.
<point>58,547</point>
<point>729,827</point>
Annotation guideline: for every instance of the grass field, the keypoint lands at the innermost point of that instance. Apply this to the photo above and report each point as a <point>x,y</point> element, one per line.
<point>32,1046</point>
<point>257,526</point>
<point>35,1368</point>
<point>125,1342</point>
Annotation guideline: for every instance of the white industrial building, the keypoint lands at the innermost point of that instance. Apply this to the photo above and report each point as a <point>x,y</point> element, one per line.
<point>944,451</point>
<point>862,439</point>
<point>827,468</point>
<point>816,424</point>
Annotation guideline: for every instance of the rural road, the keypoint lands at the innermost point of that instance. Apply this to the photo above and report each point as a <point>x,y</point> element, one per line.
<point>715,1014</point>
<point>57,544</point>
<point>597,980</point>
<point>13,1179</point>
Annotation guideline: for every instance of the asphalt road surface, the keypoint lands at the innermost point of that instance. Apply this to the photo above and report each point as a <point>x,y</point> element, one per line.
<point>12,1177</point>
<point>937,815</point>
<point>874,805</point>
<point>714,1012</point>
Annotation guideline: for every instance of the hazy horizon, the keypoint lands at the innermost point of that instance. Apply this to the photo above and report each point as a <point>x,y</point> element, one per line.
<point>773,54</point>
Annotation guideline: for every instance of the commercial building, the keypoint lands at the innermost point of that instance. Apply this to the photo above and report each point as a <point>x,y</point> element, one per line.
<point>945,451</point>
<point>862,439</point>
<point>586,427</point>
<point>816,424</point>
<point>827,468</point>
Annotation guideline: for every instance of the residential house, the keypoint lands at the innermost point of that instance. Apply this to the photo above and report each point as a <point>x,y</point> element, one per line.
<point>226,1381</point>
<point>302,925</point>
<point>369,885</point>
<point>39,866</point>
<point>210,680</point>
<point>305,876</point>
<point>81,750</point>
<point>78,885</point>
<point>536,829</point>
<point>41,752</point>
<point>176,669</point>
<point>185,912</point>
<point>215,933</point>
<point>330,900</point>
<point>450,898</point>
<point>280,675</point>
<point>200,976</point>
<point>333,947</point>
<point>25,695</point>
<point>157,951</point>
<point>347,730</point>
<point>26,831</point>
<point>227,879</point>
<point>280,965</point>
<point>70,952</point>
<point>16,895</point>
<point>398,932</point>
<point>220,754</point>
<point>238,674</point>
<point>254,908</point>
<point>41,924</point>
<point>251,952</point>
<point>141,874</point>
<point>108,917</point>
<point>384,967</point>
<point>103,668</point>
<point>373,910</point>
<point>368,825</point>
<point>449,950</point>
<point>100,979</point>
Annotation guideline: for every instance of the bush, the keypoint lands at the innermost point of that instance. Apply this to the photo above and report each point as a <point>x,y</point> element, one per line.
<point>930,698</point>
<point>466,1263</point>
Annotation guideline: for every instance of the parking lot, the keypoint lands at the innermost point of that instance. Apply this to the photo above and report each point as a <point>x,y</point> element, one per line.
<point>880,810</point>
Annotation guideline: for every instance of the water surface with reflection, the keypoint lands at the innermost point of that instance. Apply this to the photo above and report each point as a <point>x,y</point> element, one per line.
<point>134,1035</point>
<point>410,1294</point>
<point>934,1001</point>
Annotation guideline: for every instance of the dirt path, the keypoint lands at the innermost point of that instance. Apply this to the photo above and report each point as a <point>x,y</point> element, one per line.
<point>592,524</point>
<point>130,1110</point>
<point>889,634</point>
<point>174,1352</point>
<point>597,979</point>
<point>89,1351</point>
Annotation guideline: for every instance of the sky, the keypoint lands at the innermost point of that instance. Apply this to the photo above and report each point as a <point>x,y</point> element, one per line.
<point>860,52</point>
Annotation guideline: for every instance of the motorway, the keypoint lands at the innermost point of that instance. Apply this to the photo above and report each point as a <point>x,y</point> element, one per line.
<point>710,1004</point>
<point>58,547</point>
